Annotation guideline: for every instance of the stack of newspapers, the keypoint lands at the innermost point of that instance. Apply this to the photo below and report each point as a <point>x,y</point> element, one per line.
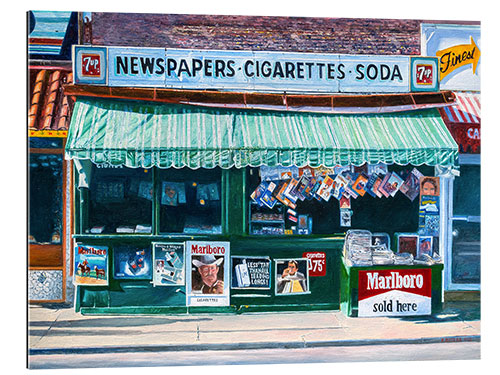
<point>358,247</point>
<point>382,255</point>
<point>403,258</point>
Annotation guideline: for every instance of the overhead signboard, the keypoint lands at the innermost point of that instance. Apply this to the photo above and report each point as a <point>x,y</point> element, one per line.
<point>458,48</point>
<point>253,70</point>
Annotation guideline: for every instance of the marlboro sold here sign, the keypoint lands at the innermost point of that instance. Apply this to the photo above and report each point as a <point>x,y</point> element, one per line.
<point>394,292</point>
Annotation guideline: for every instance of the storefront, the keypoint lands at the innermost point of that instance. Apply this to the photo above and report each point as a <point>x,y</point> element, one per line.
<point>463,252</point>
<point>51,35</point>
<point>184,204</point>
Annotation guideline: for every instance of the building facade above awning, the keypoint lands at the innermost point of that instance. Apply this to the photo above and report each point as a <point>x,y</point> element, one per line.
<point>140,134</point>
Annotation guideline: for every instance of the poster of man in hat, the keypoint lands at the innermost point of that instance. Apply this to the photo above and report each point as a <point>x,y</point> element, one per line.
<point>208,276</point>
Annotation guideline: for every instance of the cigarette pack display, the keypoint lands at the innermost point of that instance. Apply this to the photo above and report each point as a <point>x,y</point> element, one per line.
<point>292,218</point>
<point>242,275</point>
<point>345,202</point>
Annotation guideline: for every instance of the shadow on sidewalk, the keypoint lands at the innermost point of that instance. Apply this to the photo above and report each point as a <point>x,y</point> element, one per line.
<point>139,321</point>
<point>452,312</point>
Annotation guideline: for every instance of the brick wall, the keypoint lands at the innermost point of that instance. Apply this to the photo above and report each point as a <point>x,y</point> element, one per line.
<point>328,35</point>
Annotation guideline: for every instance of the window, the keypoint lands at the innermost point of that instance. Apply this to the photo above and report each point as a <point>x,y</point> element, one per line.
<point>120,200</point>
<point>45,198</point>
<point>190,201</point>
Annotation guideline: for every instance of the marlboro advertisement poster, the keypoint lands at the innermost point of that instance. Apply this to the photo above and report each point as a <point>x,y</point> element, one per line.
<point>207,277</point>
<point>132,262</point>
<point>91,265</point>
<point>251,273</point>
<point>168,263</point>
<point>394,292</point>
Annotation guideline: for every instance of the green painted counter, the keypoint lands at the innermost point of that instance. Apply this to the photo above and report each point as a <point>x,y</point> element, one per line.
<point>140,297</point>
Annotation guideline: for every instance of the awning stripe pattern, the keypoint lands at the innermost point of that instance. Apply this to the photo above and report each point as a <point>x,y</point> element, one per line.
<point>140,134</point>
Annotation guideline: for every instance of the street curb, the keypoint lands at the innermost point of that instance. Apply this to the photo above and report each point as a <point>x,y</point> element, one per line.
<point>250,346</point>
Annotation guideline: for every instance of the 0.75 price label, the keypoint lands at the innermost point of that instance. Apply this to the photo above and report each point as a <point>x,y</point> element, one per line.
<point>317,263</point>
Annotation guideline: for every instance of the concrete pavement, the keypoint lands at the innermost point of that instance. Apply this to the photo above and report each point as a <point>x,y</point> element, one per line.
<point>54,329</point>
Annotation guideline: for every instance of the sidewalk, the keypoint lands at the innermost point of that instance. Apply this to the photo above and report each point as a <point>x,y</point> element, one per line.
<point>59,330</point>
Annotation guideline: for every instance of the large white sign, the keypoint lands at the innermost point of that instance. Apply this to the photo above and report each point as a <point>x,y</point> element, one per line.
<point>458,48</point>
<point>253,70</point>
<point>394,292</point>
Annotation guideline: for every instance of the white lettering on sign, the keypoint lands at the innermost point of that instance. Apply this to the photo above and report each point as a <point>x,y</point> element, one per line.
<point>473,133</point>
<point>394,281</point>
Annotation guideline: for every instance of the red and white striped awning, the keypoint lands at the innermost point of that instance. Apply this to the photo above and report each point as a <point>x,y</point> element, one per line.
<point>467,109</point>
<point>463,119</point>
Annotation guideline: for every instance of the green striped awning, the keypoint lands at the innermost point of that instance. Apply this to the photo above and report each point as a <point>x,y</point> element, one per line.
<point>139,134</point>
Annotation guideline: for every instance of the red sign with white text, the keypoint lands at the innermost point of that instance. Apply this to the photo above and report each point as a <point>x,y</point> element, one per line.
<point>317,263</point>
<point>391,292</point>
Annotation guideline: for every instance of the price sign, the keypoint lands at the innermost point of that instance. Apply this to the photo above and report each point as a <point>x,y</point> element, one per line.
<point>317,263</point>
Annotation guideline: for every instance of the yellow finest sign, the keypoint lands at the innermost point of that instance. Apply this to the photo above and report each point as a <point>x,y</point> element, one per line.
<point>454,57</point>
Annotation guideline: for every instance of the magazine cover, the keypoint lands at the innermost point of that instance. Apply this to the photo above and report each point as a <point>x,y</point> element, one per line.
<point>345,217</point>
<point>424,246</point>
<point>351,178</point>
<point>290,193</point>
<point>340,184</point>
<point>169,196</point>
<point>345,202</point>
<point>168,263</point>
<point>326,187</point>
<point>411,186</point>
<point>90,265</point>
<point>257,194</point>
<point>429,185</point>
<point>269,173</point>
<point>267,198</point>
<point>359,184</point>
<point>382,184</point>
<point>383,239</point>
<point>408,243</point>
<point>392,185</point>
<point>132,263</point>
<point>376,185</point>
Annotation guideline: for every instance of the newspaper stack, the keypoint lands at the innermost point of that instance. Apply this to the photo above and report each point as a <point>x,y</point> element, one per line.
<point>360,255</point>
<point>382,255</point>
<point>358,247</point>
<point>403,258</point>
<point>424,259</point>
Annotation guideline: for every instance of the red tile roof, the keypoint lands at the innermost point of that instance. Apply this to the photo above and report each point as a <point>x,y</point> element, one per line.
<point>50,109</point>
